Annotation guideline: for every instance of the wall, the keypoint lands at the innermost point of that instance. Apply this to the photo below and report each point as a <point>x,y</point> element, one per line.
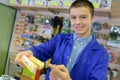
<point>4,1</point>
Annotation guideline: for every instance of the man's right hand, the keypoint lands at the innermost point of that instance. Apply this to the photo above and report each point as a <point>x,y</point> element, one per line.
<point>18,58</point>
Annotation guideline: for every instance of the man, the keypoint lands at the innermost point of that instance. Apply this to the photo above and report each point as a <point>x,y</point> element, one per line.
<point>76,56</point>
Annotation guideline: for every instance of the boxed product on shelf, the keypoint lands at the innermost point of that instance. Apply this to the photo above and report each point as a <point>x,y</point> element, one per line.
<point>67,3</point>
<point>24,1</point>
<point>15,1</point>
<point>39,2</point>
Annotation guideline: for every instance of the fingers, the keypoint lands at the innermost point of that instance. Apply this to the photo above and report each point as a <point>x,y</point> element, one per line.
<point>21,64</point>
<point>18,59</point>
<point>58,70</point>
<point>28,53</point>
<point>60,67</point>
<point>53,76</point>
<point>51,66</point>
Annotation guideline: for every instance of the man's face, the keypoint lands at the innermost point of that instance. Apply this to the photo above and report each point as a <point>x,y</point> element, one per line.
<point>81,21</point>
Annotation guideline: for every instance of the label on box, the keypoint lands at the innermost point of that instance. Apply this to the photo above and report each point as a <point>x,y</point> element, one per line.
<point>67,3</point>
<point>24,1</point>
<point>54,3</point>
<point>39,3</point>
<point>96,5</point>
<point>29,64</point>
<point>12,1</point>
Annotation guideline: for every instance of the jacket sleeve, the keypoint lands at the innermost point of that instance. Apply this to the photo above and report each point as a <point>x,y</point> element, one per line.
<point>101,68</point>
<point>45,50</point>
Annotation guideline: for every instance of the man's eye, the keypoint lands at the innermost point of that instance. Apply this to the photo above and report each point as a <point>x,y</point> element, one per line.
<point>84,17</point>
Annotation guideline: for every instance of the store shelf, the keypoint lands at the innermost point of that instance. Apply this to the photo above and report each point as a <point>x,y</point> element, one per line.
<point>39,8</point>
<point>54,9</point>
<point>103,12</point>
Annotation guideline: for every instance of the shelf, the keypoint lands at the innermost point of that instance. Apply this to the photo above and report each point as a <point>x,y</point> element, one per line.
<point>39,8</point>
<point>54,9</point>
<point>103,12</point>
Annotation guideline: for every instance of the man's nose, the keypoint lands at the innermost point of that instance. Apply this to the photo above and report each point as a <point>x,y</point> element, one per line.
<point>78,21</point>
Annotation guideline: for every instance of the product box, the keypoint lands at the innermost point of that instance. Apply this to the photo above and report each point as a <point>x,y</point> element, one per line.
<point>25,2</point>
<point>39,2</point>
<point>12,1</point>
<point>33,67</point>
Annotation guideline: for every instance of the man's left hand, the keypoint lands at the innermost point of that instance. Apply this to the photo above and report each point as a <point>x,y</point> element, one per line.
<point>59,72</point>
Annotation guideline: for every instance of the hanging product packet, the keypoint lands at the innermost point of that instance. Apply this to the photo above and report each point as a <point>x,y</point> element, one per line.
<point>33,65</point>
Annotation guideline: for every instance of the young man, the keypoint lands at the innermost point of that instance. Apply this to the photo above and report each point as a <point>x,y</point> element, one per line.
<point>76,56</point>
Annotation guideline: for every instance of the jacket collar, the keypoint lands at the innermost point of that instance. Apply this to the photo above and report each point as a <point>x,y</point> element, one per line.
<point>70,38</point>
<point>95,45</point>
<point>91,43</point>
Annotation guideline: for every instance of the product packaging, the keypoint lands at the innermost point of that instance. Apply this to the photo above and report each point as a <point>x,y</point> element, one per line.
<point>33,65</point>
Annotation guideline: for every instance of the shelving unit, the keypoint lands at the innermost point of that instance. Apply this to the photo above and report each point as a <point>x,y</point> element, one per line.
<point>98,12</point>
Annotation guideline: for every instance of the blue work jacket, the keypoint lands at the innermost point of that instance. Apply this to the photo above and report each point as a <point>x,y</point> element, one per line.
<point>91,64</point>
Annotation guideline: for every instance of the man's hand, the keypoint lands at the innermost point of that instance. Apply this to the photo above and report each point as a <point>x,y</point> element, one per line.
<point>18,59</point>
<point>59,72</point>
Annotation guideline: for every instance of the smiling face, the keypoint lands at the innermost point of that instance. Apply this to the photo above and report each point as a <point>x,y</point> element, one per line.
<point>81,21</point>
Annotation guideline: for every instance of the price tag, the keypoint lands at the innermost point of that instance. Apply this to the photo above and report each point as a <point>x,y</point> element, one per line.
<point>96,5</point>
<point>24,1</point>
<point>54,3</point>
<point>12,1</point>
<point>39,3</point>
<point>67,3</point>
